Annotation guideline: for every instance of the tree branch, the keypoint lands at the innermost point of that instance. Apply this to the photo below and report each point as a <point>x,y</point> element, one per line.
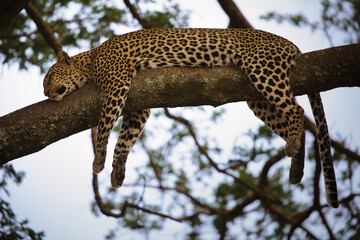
<point>237,19</point>
<point>32,128</point>
<point>286,218</point>
<point>263,176</point>
<point>261,195</point>
<point>134,12</point>
<point>126,204</point>
<point>309,125</point>
<point>46,31</point>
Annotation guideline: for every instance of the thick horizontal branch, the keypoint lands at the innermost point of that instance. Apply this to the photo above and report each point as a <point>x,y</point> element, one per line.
<point>32,128</point>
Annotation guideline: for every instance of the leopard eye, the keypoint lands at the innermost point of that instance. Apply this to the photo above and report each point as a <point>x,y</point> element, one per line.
<point>49,78</point>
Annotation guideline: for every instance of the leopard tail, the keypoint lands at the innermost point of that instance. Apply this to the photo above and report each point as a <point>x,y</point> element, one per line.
<point>323,139</point>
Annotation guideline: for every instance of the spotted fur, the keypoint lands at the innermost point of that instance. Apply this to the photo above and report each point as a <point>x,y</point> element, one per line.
<point>264,57</point>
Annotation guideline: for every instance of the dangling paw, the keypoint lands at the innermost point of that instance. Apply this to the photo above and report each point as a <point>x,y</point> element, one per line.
<point>99,161</point>
<point>118,172</point>
<point>297,163</point>
<point>292,147</point>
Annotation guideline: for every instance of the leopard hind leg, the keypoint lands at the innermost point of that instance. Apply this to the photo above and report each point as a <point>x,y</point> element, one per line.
<point>324,144</point>
<point>270,78</point>
<point>131,129</point>
<point>268,113</point>
<point>278,123</point>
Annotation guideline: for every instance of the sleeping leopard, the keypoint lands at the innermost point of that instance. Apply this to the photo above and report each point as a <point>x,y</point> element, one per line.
<point>264,57</point>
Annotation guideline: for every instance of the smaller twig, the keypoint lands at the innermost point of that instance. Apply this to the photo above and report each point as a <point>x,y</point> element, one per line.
<point>238,210</point>
<point>348,198</point>
<point>270,162</point>
<point>143,192</point>
<point>196,201</point>
<point>43,27</point>
<point>203,151</point>
<point>316,201</point>
<point>235,163</point>
<point>152,164</point>
<point>16,36</point>
<point>195,214</point>
<point>93,138</point>
<point>309,125</point>
<point>285,217</point>
<point>142,21</point>
<point>331,235</point>
<point>193,135</point>
<point>299,218</point>
<point>127,204</point>
<point>326,31</point>
<point>99,201</point>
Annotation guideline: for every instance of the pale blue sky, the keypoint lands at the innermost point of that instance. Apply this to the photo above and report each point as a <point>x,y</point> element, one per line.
<point>56,193</point>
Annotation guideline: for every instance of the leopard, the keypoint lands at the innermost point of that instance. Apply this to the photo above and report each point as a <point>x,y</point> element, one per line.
<point>265,58</point>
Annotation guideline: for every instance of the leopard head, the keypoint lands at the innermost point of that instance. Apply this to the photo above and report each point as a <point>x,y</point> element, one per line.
<point>62,78</point>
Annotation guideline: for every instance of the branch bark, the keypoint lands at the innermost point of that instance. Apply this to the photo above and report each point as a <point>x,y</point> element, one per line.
<point>32,128</point>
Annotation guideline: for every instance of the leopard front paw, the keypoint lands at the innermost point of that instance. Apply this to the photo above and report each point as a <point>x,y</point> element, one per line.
<point>118,173</point>
<point>297,163</point>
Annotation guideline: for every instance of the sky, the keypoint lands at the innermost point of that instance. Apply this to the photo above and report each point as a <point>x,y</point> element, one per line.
<point>55,195</point>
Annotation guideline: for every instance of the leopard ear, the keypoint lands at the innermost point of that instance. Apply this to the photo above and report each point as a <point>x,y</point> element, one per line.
<point>63,57</point>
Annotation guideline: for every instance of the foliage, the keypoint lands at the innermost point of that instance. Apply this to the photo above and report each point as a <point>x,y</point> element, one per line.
<point>184,185</point>
<point>77,23</point>
<point>169,16</point>
<point>337,17</point>
<point>10,227</point>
